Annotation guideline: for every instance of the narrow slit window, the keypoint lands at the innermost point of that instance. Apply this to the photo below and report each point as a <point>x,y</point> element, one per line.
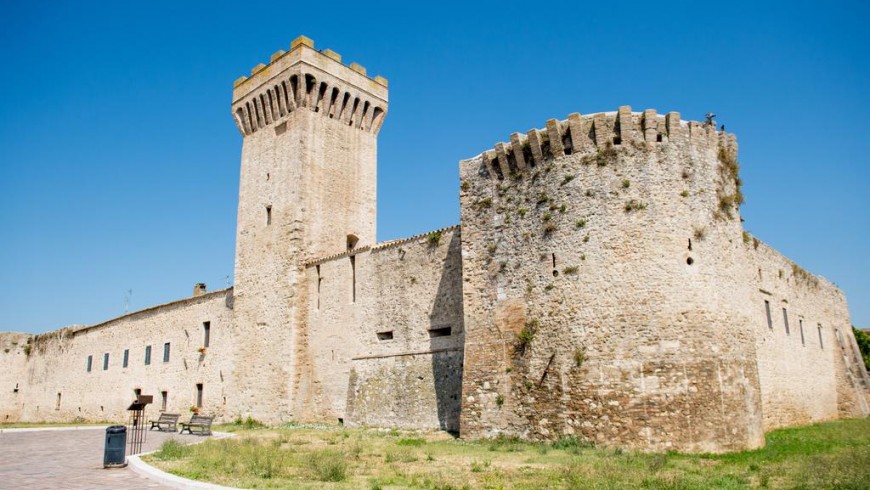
<point>785,320</point>
<point>164,398</point>
<point>137,392</point>
<point>439,332</point>
<point>199,395</point>
<point>821,342</point>
<point>767,310</point>
<point>269,215</point>
<point>126,357</point>
<point>319,281</point>
<point>166,352</point>
<point>90,363</point>
<point>106,361</point>
<point>206,333</point>
<point>147,355</point>
<point>388,335</point>
<point>57,405</point>
<point>801,325</point>
<point>353,278</point>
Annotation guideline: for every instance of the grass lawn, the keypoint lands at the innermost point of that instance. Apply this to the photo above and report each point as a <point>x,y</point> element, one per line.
<point>828,455</point>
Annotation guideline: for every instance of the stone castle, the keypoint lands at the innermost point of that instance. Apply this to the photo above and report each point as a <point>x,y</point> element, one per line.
<point>600,286</point>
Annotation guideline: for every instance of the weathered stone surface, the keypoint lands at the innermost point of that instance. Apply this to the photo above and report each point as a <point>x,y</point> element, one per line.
<point>601,287</point>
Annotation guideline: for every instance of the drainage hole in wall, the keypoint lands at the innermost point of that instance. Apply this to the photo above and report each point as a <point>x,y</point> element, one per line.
<point>690,261</point>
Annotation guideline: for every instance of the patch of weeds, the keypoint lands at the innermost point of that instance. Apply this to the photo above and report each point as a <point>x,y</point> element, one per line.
<point>413,280</point>
<point>390,457</point>
<point>546,217</point>
<point>568,178</point>
<point>480,466</point>
<point>626,184</point>
<point>434,238</point>
<point>549,287</point>
<point>499,400</point>
<point>755,243</point>
<point>411,441</point>
<point>684,194</point>
<point>747,237</point>
<point>699,232</point>
<point>579,356</point>
<point>570,269</point>
<point>542,198</point>
<point>603,157</point>
<point>633,205</point>
<point>171,450</point>
<point>550,227</point>
<point>585,238</point>
<point>522,212</point>
<point>484,203</point>
<point>328,465</point>
<point>526,336</point>
<point>562,208</point>
<point>465,185</point>
<point>502,266</point>
<point>581,223</point>
<point>590,193</point>
<point>582,256</point>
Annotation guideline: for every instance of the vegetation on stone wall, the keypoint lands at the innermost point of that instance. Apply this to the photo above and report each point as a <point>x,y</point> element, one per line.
<point>729,170</point>
<point>863,339</point>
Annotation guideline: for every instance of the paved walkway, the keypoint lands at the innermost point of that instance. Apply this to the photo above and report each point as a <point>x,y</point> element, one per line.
<point>69,459</point>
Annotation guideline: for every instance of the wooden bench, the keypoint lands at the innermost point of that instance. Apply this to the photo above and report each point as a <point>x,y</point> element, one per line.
<point>166,422</point>
<point>200,424</point>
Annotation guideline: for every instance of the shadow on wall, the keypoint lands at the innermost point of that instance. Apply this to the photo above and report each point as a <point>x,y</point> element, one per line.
<point>447,339</point>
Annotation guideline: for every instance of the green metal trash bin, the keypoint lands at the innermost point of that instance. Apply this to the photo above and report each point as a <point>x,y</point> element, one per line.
<point>116,442</point>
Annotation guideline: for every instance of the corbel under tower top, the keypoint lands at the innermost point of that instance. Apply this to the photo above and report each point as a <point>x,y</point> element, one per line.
<point>306,77</point>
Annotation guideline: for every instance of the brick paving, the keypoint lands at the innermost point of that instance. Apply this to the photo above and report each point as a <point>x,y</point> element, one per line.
<point>69,459</point>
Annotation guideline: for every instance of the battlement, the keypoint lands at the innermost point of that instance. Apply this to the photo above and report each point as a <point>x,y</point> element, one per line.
<point>316,80</point>
<point>594,132</point>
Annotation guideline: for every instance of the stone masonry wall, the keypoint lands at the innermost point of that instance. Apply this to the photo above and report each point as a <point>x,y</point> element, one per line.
<point>809,370</point>
<point>601,266</point>
<point>14,348</point>
<point>389,354</point>
<point>55,386</point>
<point>307,187</point>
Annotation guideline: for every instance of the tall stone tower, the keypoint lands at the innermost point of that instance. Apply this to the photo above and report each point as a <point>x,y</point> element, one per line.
<point>307,189</point>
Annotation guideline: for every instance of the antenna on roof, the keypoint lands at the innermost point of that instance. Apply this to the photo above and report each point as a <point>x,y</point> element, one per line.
<point>127,296</point>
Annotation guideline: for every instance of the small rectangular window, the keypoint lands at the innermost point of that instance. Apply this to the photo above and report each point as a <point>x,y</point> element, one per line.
<point>199,395</point>
<point>785,320</point>
<point>439,332</point>
<point>801,325</point>
<point>147,355</point>
<point>388,335</point>
<point>90,362</point>
<point>164,398</point>
<point>126,357</point>
<point>166,352</point>
<point>268,215</point>
<point>106,361</point>
<point>767,310</point>
<point>353,278</point>
<point>206,333</point>
<point>821,342</point>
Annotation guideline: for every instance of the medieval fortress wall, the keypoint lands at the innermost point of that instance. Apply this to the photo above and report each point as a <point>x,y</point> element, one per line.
<point>80,373</point>
<point>601,286</point>
<point>609,293</point>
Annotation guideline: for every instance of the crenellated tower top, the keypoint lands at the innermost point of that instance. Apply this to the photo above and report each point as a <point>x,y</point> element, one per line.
<point>317,80</point>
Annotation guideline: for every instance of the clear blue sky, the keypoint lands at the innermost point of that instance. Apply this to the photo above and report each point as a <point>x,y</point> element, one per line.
<point>119,159</point>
